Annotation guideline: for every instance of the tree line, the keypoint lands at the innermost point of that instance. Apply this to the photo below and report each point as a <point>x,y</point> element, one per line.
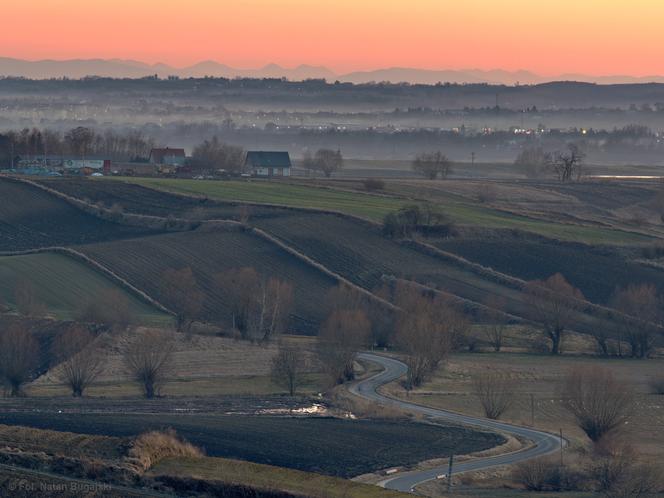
<point>80,142</point>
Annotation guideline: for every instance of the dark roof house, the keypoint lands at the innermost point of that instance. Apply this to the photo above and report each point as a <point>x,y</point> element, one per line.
<point>264,163</point>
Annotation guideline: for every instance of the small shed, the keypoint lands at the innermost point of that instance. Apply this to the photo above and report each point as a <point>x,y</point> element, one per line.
<point>268,164</point>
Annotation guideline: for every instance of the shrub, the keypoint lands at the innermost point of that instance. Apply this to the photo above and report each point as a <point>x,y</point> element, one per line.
<point>657,385</point>
<point>540,474</point>
<point>373,184</point>
<point>617,472</point>
<point>151,447</point>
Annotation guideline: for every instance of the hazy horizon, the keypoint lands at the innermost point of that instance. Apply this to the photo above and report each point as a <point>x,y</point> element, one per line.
<point>563,38</point>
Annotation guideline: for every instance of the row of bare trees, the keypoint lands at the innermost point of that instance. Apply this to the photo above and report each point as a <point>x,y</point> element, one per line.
<point>80,142</point>
<point>567,164</point>
<point>424,326</point>
<point>260,307</point>
<point>600,404</point>
<point>555,304</point>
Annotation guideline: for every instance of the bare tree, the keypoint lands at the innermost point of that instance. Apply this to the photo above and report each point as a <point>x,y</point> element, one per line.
<point>260,307</point>
<point>340,338</point>
<point>425,331</point>
<point>567,164</point>
<point>183,295</point>
<point>619,472</point>
<point>213,154</point>
<point>602,337</point>
<point>552,302</point>
<point>148,358</point>
<point>640,306</point>
<point>240,288</point>
<point>532,161</point>
<point>495,393</point>
<point>270,310</point>
<point>19,357</point>
<point>599,403</point>
<point>495,331</point>
<point>26,299</point>
<point>432,164</point>
<point>288,366</point>
<point>327,161</point>
<point>110,307</point>
<point>345,297</point>
<point>81,362</point>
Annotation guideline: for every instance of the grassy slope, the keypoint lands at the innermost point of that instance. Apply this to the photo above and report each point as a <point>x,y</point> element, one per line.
<point>266,477</point>
<point>63,285</point>
<point>376,207</point>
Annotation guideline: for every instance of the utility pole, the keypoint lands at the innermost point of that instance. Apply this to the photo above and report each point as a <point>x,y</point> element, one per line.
<point>532,410</point>
<point>449,474</point>
<point>561,448</point>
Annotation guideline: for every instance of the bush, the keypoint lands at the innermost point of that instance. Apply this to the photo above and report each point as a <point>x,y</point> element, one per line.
<point>657,385</point>
<point>540,474</point>
<point>373,184</point>
<point>617,472</point>
<point>151,447</point>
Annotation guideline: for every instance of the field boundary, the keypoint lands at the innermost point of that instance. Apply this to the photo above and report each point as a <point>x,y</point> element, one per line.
<point>318,266</point>
<point>334,212</point>
<point>170,224</point>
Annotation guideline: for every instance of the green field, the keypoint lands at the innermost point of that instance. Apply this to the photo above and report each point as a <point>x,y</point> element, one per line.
<point>268,478</point>
<point>375,207</point>
<point>63,285</point>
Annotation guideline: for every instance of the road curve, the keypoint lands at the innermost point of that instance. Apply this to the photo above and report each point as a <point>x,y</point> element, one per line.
<point>543,442</point>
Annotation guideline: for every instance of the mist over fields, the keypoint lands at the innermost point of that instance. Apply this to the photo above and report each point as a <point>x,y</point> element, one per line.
<point>615,124</point>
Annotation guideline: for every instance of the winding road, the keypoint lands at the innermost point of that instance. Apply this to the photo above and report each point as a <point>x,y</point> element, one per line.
<point>543,442</point>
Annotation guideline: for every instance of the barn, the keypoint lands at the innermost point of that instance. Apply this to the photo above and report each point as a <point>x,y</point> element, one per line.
<point>268,164</point>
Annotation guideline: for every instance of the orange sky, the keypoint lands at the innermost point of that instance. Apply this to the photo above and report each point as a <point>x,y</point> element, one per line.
<point>546,36</point>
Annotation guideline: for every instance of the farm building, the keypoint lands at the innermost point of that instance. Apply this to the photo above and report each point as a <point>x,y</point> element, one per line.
<point>168,156</point>
<point>268,164</point>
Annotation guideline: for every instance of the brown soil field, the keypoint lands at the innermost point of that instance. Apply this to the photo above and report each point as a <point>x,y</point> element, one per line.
<point>143,261</point>
<point>31,218</point>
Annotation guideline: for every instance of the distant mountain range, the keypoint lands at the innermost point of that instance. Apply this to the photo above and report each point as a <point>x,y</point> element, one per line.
<point>121,68</point>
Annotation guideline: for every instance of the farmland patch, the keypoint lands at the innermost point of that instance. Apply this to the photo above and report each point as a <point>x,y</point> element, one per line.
<point>343,448</point>
<point>143,261</point>
<point>64,286</point>
<point>31,218</point>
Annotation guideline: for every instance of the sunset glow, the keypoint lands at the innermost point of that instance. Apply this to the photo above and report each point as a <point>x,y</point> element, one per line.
<point>549,37</point>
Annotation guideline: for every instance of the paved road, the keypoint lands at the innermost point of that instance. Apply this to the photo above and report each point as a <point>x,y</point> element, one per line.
<point>543,442</point>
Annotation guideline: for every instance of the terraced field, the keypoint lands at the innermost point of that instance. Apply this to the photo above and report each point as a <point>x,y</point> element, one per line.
<point>142,200</point>
<point>30,218</point>
<point>371,207</point>
<point>595,271</point>
<point>375,207</point>
<point>350,248</point>
<point>63,285</point>
<point>143,261</point>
